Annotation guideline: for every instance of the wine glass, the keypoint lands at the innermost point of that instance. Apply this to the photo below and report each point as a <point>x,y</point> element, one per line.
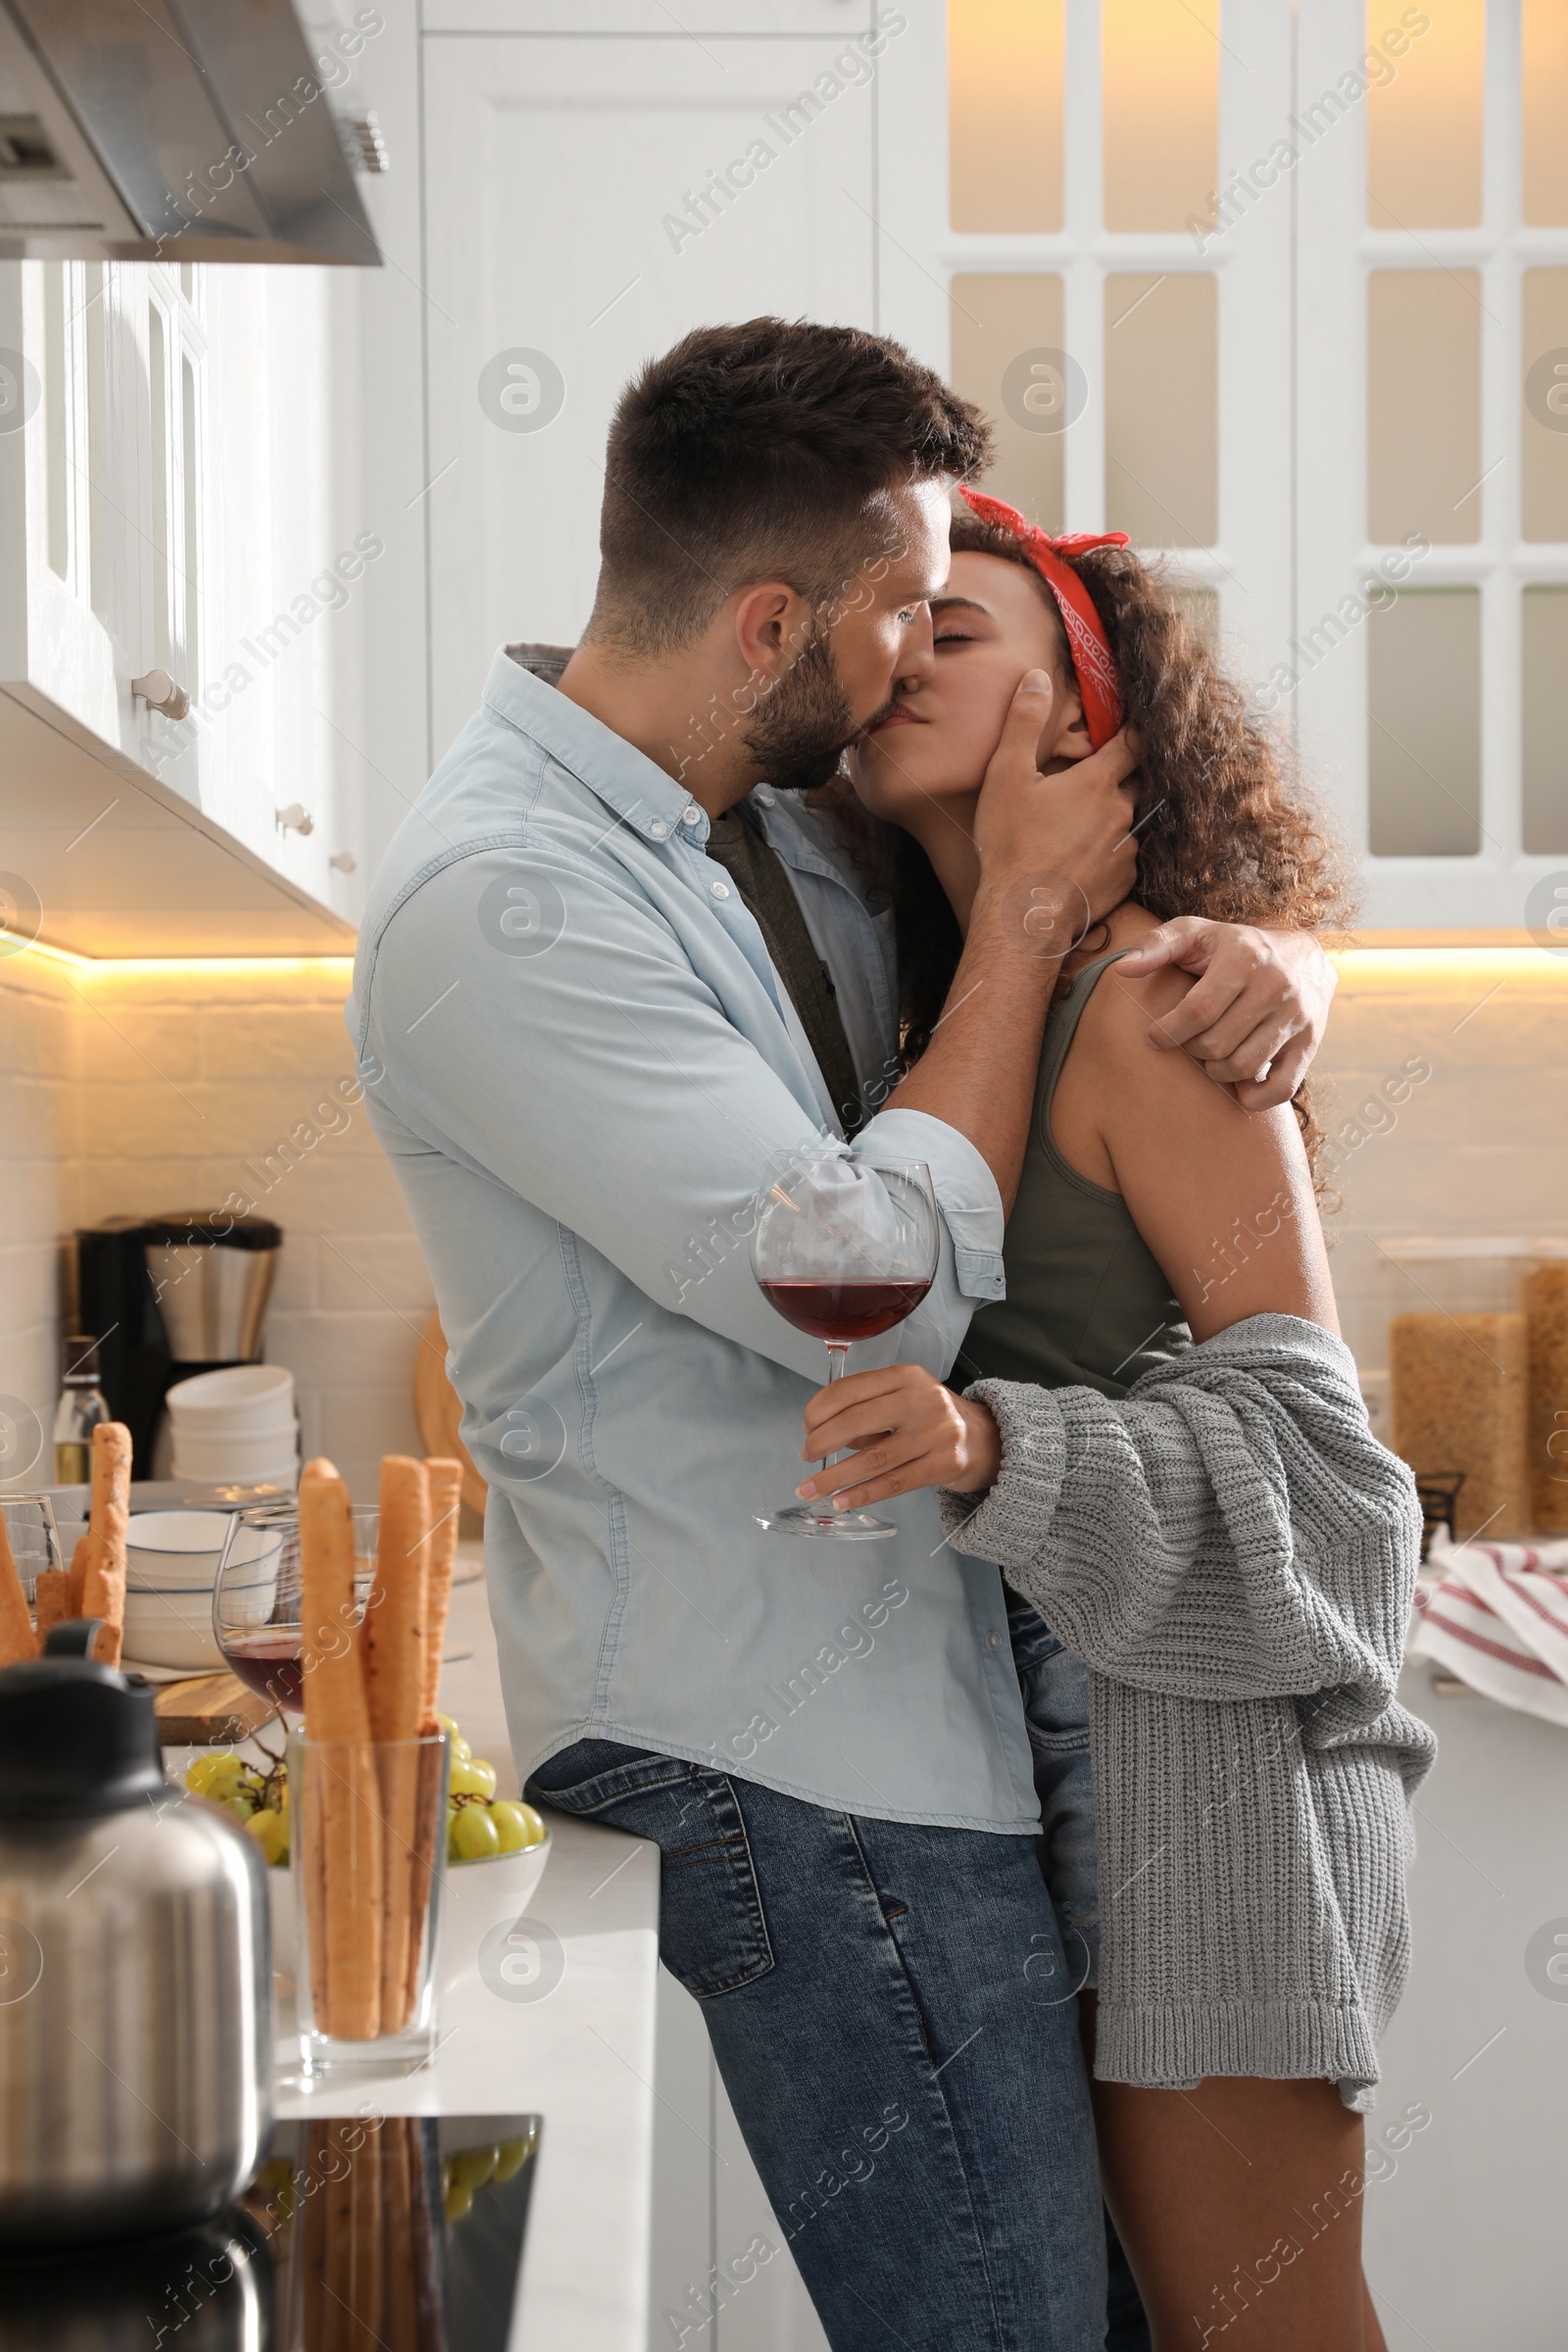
<point>34,1537</point>
<point>256,1598</point>
<point>845,1251</point>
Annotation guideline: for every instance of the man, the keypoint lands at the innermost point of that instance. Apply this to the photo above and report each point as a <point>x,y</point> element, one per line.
<point>588,1043</point>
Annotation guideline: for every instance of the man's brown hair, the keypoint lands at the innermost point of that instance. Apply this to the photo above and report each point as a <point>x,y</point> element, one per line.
<point>759,452</point>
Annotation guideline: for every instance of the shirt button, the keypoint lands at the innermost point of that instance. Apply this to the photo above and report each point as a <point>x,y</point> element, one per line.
<point>689,817</point>
<point>659,828</point>
<point>721,890</point>
<point>993,1640</point>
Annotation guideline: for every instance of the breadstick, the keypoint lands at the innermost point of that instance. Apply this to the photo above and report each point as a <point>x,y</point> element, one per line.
<point>103,1586</point>
<point>340,1760</point>
<point>16,1623</point>
<point>446,1494</point>
<point>51,1600</point>
<point>77,1574</point>
<point>394,1624</point>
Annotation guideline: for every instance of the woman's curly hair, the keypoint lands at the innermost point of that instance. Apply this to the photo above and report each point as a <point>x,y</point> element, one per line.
<point>1223,827</point>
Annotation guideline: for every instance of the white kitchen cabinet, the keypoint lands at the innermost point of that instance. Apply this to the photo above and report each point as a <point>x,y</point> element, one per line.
<point>561,244</point>
<point>175,500</point>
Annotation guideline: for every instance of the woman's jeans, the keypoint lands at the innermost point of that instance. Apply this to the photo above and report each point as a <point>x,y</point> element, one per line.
<point>892,2014</point>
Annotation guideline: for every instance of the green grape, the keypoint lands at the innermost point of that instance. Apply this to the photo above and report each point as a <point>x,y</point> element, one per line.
<point>458,2200</point>
<point>240,1806</point>
<point>510,2157</point>
<point>471,2168</point>
<point>447,1724</point>
<point>271,1832</point>
<point>472,1779</point>
<point>510,1827</point>
<point>475,1833</point>
<point>461,1750</point>
<point>215,1775</point>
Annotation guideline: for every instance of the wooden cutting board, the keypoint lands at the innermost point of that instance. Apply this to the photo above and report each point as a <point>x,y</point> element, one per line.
<point>210,1710</point>
<point>438,1409</point>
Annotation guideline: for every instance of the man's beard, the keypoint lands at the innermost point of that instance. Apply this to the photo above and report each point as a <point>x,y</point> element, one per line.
<point>805,723</point>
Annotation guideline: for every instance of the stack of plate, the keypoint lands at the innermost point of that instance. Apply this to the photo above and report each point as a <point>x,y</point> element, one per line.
<point>236,1426</point>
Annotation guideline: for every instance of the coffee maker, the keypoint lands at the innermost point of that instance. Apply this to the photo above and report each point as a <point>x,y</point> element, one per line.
<point>167,1297</point>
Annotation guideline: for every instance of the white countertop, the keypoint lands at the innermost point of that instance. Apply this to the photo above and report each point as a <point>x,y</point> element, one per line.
<point>581,2056</point>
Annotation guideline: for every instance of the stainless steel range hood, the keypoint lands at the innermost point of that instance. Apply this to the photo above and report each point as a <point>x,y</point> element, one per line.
<point>132,130</point>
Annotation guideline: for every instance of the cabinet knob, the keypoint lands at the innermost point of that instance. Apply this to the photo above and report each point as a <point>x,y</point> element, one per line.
<point>295,818</point>
<point>160,693</point>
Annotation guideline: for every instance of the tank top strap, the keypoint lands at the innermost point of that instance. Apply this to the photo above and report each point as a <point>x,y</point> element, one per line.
<point>1062,1025</point>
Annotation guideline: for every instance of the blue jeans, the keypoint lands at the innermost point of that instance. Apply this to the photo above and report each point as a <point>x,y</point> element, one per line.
<point>893,2016</point>
<point>1053,1685</point>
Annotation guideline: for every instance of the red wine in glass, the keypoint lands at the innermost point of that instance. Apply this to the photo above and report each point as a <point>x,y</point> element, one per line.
<point>845,1251</point>
<point>271,1661</point>
<point>841,1312</point>
<point>257,1597</point>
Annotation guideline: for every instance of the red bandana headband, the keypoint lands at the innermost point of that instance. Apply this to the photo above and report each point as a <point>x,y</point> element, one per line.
<point>1087,642</point>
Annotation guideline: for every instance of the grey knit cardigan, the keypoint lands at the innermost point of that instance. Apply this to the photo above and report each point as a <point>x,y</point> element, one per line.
<point>1233,1554</point>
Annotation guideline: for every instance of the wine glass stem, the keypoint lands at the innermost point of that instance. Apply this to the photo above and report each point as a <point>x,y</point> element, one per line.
<point>837,1351</point>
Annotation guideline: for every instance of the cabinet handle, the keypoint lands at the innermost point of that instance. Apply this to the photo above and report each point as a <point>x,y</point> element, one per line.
<point>160,693</point>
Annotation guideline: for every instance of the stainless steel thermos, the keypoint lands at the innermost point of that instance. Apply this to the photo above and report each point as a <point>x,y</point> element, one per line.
<point>135,1969</point>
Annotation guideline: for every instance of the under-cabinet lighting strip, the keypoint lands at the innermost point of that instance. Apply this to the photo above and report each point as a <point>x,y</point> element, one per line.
<point>1388,962</point>
<point>183,964</point>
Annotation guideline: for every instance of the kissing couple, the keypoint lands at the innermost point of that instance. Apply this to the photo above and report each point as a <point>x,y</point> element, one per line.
<point>1043,1860</point>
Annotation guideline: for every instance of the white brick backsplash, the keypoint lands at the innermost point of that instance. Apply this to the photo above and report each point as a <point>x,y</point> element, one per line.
<point>129,1091</point>
<point>370,1269</point>
<point>120,1041</point>
<point>295,1286</point>
<point>112,1187</point>
<point>264,1040</point>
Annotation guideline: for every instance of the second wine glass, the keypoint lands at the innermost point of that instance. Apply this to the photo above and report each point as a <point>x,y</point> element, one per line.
<point>845,1251</point>
<point>255,1600</point>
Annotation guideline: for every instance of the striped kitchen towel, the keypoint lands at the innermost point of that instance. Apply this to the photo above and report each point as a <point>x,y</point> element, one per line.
<point>1497,1615</point>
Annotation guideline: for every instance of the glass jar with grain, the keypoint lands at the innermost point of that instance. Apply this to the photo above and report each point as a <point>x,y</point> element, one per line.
<point>1478,1375</point>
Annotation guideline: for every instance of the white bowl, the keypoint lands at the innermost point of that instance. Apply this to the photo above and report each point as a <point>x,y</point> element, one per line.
<point>174,1550</point>
<point>236,1454</point>
<point>241,1396</point>
<point>476,1894</point>
<point>169,1575</point>
<point>170,1628</point>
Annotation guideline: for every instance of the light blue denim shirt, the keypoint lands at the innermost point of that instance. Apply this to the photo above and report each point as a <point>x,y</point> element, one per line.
<point>583,1064</point>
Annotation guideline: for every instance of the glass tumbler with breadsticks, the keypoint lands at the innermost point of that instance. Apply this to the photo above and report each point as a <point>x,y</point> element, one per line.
<point>368,1768</point>
<point>37,1589</point>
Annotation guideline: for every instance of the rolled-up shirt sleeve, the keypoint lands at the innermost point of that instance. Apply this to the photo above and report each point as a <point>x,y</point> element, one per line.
<point>599,1076</point>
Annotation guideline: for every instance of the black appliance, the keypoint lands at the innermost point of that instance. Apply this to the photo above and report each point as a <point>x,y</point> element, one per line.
<point>168,1298</point>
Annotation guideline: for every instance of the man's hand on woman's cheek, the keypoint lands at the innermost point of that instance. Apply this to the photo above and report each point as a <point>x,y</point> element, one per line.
<point>1258,1015</point>
<point>903,1430</point>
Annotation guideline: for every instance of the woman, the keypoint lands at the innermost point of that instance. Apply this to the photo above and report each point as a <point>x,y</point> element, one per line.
<point>1169,1457</point>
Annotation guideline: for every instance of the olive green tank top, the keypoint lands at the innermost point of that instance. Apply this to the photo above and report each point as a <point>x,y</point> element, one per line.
<point>1087,1305</point>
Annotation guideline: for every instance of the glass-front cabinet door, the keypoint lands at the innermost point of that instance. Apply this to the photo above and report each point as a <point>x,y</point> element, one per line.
<point>1284,295</point>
